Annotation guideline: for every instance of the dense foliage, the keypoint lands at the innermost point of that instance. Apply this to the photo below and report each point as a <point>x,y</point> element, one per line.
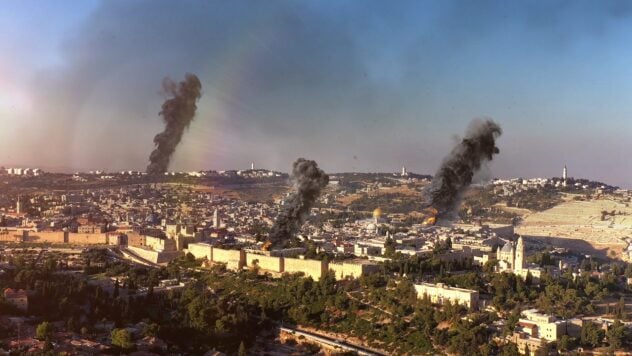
<point>229,311</point>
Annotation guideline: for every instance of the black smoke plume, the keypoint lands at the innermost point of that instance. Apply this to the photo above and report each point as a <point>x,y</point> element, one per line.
<point>309,181</point>
<point>457,170</point>
<point>177,112</point>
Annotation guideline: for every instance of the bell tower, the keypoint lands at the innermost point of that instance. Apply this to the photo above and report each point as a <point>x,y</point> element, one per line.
<point>519,264</point>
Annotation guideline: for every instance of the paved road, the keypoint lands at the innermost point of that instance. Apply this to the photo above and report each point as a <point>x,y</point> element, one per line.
<point>325,340</point>
<point>130,255</point>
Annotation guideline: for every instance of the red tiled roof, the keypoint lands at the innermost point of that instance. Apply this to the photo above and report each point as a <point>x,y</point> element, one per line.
<point>531,326</point>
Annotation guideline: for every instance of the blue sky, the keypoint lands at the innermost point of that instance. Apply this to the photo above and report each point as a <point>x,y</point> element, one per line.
<point>355,85</point>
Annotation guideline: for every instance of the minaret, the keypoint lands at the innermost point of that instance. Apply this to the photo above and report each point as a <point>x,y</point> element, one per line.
<point>216,219</point>
<point>18,206</point>
<point>404,172</point>
<point>564,176</point>
<point>519,265</point>
<point>252,166</point>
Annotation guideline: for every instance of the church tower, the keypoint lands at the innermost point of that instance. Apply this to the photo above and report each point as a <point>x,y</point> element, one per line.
<point>519,264</point>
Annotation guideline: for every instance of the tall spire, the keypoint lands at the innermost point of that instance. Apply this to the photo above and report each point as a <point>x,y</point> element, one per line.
<point>216,219</point>
<point>564,176</point>
<point>519,264</point>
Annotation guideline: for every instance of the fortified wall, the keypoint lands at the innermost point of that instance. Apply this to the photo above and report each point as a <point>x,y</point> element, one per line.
<point>59,237</point>
<point>352,269</point>
<point>153,256</point>
<point>267,263</point>
<point>276,263</point>
<point>311,268</point>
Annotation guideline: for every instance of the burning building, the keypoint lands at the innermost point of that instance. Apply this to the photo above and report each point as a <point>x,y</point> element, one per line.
<point>309,181</point>
<point>456,172</point>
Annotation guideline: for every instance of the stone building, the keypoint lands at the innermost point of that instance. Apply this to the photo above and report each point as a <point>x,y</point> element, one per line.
<point>511,259</point>
<point>440,294</point>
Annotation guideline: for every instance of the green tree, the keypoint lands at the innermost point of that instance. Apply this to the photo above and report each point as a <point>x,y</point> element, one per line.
<point>122,338</point>
<point>220,327</point>
<point>116,288</point>
<point>512,321</point>
<point>151,329</point>
<point>44,331</point>
<point>559,300</point>
<point>48,348</point>
<point>619,309</point>
<point>615,335</point>
<point>389,247</point>
<point>510,349</point>
<point>565,343</point>
<point>242,349</point>
<point>591,335</point>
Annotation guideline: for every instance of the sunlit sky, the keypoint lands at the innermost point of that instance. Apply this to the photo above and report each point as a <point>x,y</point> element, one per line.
<point>355,85</point>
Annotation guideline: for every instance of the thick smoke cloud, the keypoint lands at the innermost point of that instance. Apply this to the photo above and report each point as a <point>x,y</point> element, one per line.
<point>274,70</point>
<point>458,169</point>
<point>309,181</point>
<point>177,112</point>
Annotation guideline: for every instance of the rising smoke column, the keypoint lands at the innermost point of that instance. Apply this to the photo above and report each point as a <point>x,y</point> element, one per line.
<point>458,168</point>
<point>309,181</point>
<point>177,112</point>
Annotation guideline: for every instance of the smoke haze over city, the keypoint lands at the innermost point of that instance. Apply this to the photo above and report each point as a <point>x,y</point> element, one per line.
<point>357,86</point>
<point>315,177</point>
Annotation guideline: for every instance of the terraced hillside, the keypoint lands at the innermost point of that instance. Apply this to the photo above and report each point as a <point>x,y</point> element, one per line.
<point>604,224</point>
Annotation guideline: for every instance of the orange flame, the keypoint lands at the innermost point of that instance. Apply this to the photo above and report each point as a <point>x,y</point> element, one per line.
<point>430,221</point>
<point>430,216</point>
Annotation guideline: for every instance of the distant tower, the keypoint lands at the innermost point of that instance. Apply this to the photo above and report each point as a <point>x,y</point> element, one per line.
<point>18,206</point>
<point>564,176</point>
<point>252,166</point>
<point>216,219</point>
<point>404,172</point>
<point>519,265</point>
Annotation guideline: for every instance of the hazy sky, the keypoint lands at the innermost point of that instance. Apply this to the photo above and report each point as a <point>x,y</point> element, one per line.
<point>356,85</point>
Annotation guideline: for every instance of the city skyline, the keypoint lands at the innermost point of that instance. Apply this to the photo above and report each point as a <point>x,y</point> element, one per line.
<point>315,177</point>
<point>355,87</point>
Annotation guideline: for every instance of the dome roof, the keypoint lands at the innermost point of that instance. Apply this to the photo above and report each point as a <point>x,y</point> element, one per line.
<point>377,213</point>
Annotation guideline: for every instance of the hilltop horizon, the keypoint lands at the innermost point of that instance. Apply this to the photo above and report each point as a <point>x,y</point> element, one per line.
<point>352,87</point>
<point>53,170</point>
